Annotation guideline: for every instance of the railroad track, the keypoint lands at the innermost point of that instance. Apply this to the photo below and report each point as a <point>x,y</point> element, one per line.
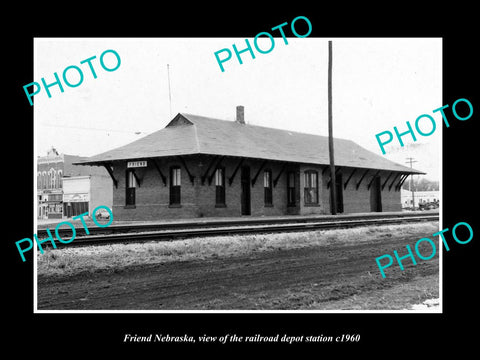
<point>172,231</point>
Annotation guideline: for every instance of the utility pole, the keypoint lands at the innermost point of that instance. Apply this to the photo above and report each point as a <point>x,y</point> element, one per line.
<point>333,182</point>
<point>410,186</point>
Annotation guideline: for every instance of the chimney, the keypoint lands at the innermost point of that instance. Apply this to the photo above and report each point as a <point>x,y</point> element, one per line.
<point>240,115</point>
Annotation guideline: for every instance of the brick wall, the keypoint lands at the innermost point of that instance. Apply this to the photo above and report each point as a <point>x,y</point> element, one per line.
<point>206,192</point>
<point>197,200</point>
<point>355,201</point>
<point>100,192</point>
<point>391,200</point>
<point>152,197</point>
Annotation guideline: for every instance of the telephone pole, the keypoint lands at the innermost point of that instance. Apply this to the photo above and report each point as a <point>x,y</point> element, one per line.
<point>410,186</point>
<point>333,182</point>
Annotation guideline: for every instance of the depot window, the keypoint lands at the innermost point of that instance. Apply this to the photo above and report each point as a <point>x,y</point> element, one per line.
<point>267,186</point>
<point>220,187</point>
<point>130,188</point>
<point>175,186</point>
<point>311,187</point>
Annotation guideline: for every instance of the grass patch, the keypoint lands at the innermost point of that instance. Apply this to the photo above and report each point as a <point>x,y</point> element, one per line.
<point>398,297</point>
<point>360,293</point>
<point>74,260</point>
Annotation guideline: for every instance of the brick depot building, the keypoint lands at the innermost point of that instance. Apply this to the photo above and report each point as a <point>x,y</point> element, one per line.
<point>198,166</point>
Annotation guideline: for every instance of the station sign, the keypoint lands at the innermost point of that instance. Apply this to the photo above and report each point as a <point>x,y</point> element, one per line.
<point>136,164</point>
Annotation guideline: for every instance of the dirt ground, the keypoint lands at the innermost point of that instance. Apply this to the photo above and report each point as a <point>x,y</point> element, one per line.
<point>333,277</point>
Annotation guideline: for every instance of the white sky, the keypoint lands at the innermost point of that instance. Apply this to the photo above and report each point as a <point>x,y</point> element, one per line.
<point>378,83</point>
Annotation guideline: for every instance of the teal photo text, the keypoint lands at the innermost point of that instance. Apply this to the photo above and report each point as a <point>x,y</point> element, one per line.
<point>386,260</point>
<point>224,55</point>
<point>29,243</point>
<point>425,124</point>
<point>73,75</point>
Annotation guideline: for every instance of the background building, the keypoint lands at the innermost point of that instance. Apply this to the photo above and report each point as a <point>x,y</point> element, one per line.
<point>65,190</point>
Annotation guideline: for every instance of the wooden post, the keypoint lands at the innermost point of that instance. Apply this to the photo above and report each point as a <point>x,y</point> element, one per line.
<point>110,172</point>
<point>230,179</point>
<point>164,179</point>
<point>330,133</point>
<point>348,180</point>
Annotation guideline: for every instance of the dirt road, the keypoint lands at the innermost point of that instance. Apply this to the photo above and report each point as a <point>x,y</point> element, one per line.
<point>292,279</point>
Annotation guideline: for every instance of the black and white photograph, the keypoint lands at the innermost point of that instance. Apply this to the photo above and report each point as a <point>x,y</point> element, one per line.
<point>281,186</point>
<point>220,183</point>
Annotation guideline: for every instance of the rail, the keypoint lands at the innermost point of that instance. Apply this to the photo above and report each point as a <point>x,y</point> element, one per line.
<point>171,231</point>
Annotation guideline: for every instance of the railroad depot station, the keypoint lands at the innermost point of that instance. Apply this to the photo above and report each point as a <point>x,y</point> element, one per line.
<point>203,167</point>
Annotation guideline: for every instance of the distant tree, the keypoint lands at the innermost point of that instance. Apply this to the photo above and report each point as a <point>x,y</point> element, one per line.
<point>421,184</point>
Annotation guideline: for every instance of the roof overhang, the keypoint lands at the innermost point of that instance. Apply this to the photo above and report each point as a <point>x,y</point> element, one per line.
<point>110,162</point>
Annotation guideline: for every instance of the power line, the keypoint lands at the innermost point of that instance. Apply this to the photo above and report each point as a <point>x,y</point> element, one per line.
<point>95,129</point>
<point>413,146</point>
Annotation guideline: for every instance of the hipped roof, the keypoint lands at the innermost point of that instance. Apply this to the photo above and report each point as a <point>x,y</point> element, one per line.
<point>189,134</point>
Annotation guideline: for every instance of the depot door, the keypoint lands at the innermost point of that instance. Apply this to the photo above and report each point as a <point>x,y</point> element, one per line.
<point>339,192</point>
<point>245,195</point>
<point>376,195</point>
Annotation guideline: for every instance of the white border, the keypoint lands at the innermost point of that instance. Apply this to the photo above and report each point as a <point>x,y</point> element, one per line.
<point>405,311</point>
